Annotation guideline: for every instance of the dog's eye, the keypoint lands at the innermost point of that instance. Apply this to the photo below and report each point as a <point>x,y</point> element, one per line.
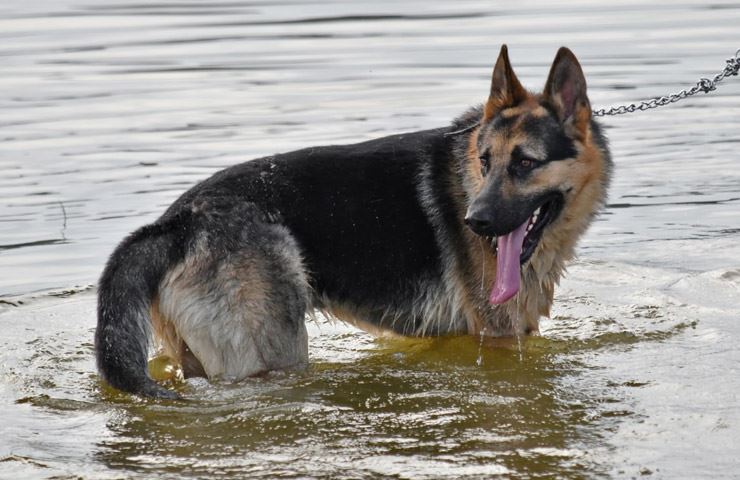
<point>521,167</point>
<point>527,163</point>
<point>485,161</point>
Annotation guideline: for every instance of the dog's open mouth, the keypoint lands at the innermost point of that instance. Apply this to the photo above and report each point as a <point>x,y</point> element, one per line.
<point>516,248</point>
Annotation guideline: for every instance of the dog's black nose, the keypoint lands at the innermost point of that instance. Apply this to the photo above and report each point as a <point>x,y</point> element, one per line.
<point>479,225</point>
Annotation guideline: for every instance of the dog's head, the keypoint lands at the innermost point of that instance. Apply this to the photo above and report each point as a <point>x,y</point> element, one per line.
<point>539,166</point>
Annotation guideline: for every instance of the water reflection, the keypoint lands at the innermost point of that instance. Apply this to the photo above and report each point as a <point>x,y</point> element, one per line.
<point>409,401</point>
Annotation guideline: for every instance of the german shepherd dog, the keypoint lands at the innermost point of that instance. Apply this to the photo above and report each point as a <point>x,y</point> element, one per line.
<point>456,230</point>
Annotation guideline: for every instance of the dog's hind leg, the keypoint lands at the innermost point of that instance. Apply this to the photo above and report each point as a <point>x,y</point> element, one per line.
<point>237,302</point>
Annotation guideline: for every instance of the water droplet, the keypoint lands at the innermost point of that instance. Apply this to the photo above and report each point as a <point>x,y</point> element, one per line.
<point>517,332</point>
<point>479,360</point>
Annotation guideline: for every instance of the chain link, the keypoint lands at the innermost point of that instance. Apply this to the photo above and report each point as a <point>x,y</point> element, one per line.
<point>704,85</point>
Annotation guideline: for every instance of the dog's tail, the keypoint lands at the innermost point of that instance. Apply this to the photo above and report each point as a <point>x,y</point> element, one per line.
<point>127,287</point>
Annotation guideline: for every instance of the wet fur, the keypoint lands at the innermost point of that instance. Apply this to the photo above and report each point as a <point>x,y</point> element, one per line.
<point>371,233</point>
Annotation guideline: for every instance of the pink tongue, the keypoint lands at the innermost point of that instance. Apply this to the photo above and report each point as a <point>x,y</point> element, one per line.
<point>507,265</point>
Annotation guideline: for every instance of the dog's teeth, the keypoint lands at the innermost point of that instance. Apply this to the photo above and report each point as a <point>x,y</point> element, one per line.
<point>537,212</point>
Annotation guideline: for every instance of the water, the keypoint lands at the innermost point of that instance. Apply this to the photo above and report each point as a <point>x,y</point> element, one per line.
<point>111,109</point>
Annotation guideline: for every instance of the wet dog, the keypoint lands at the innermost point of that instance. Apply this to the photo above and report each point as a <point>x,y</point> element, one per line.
<point>454,230</point>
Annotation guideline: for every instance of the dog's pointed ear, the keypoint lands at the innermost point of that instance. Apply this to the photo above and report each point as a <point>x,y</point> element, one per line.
<point>506,91</point>
<point>565,90</point>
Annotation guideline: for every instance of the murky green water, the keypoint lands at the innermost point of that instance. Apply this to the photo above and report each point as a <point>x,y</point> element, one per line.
<point>111,109</point>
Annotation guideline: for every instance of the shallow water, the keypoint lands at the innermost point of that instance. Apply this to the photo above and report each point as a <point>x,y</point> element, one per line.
<point>111,109</point>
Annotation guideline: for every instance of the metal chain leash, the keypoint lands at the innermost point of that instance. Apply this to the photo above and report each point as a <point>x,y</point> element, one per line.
<point>704,85</point>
